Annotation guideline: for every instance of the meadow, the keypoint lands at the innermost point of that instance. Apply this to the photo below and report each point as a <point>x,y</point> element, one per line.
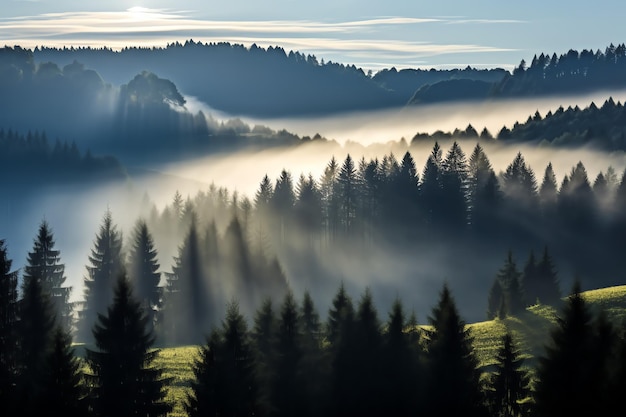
<point>530,330</point>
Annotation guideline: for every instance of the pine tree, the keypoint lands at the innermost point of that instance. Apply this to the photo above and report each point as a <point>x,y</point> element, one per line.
<point>347,194</point>
<point>44,264</point>
<point>64,393</point>
<point>495,300</point>
<point>508,387</point>
<point>223,381</point>
<point>340,310</point>
<point>565,371</point>
<point>35,331</point>
<point>123,378</point>
<point>186,298</point>
<point>400,363</point>
<point>313,364</point>
<point>550,292</point>
<point>355,388</point>
<point>263,340</point>
<point>454,181</point>
<point>288,389</point>
<point>105,265</point>
<point>509,278</point>
<point>143,270</point>
<point>8,332</point>
<point>453,379</point>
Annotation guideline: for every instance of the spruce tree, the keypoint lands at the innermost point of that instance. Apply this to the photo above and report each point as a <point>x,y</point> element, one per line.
<point>263,340</point>
<point>223,381</point>
<point>44,264</point>
<point>509,278</point>
<point>357,378</point>
<point>401,387</point>
<point>453,386</point>
<point>35,331</point>
<point>143,270</point>
<point>550,292</point>
<point>123,378</point>
<point>288,389</point>
<point>508,387</point>
<point>186,298</point>
<point>105,265</point>
<point>9,346</point>
<point>341,310</point>
<point>313,364</point>
<point>64,391</point>
<point>566,384</point>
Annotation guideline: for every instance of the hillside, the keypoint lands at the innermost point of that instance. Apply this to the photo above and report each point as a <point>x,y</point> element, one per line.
<point>531,331</point>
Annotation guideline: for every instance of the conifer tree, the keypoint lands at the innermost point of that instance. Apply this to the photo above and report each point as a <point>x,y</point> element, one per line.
<point>401,386</point>
<point>186,299</point>
<point>340,310</point>
<point>313,364</point>
<point>143,270</point>
<point>288,389</point>
<point>355,388</point>
<point>453,384</point>
<point>509,278</point>
<point>508,387</point>
<point>44,264</point>
<point>223,371</point>
<point>263,342</point>
<point>35,331</point>
<point>64,392</point>
<point>565,371</point>
<point>123,378</point>
<point>105,265</point>
<point>8,332</point>
<point>550,292</point>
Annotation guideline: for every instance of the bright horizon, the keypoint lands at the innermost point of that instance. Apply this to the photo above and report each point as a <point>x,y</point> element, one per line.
<point>372,36</point>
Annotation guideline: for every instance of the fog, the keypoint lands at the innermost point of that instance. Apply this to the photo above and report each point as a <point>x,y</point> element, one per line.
<point>75,213</point>
<point>380,126</point>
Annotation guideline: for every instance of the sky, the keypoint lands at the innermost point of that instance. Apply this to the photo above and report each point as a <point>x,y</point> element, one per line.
<point>371,35</point>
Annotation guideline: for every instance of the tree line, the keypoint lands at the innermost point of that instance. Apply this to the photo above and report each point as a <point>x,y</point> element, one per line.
<point>601,127</point>
<point>291,362</point>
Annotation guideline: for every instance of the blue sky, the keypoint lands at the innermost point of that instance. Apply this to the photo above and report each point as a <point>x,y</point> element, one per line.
<point>372,35</point>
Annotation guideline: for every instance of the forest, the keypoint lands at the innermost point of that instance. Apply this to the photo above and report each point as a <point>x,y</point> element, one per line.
<point>280,289</point>
<point>227,289</point>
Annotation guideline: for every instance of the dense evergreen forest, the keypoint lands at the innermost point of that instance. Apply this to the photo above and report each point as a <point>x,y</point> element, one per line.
<point>289,360</point>
<point>223,270</point>
<point>237,80</point>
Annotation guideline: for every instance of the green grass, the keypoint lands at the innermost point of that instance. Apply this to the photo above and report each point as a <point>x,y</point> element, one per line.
<point>530,330</point>
<point>176,364</point>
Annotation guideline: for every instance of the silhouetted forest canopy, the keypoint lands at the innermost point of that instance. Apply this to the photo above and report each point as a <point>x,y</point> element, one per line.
<point>601,127</point>
<point>235,79</point>
<point>278,289</point>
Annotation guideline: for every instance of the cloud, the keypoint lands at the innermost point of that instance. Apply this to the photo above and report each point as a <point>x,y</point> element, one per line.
<point>383,38</point>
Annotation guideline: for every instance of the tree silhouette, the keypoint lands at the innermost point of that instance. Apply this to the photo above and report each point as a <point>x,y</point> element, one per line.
<point>187,306</point>
<point>143,270</point>
<point>35,331</point>
<point>122,377</point>
<point>105,265</point>
<point>223,371</point>
<point>44,264</point>
<point>453,379</point>
<point>509,385</point>
<point>566,385</point>
<point>64,392</point>
<point>263,340</point>
<point>288,388</point>
<point>401,358</point>
<point>8,331</point>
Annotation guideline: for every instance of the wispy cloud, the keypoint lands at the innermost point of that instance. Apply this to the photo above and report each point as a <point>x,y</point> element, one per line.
<point>371,40</point>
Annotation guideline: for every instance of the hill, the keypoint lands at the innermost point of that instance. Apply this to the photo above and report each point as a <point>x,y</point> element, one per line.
<point>530,330</point>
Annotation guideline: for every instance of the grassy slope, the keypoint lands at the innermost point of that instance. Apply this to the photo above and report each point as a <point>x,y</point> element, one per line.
<point>531,331</point>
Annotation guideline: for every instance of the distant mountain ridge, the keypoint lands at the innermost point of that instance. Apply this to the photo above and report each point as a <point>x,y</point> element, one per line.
<point>271,82</point>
